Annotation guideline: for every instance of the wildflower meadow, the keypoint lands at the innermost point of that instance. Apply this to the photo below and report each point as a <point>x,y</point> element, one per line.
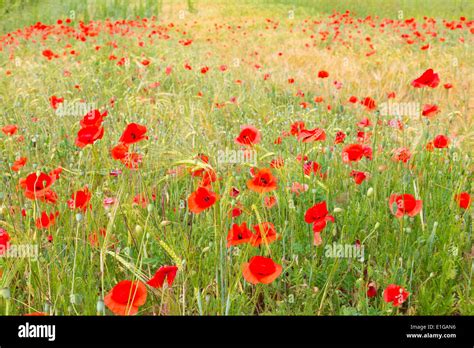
<point>236,158</point>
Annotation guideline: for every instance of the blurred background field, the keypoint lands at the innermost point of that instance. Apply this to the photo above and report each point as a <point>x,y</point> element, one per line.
<point>189,112</point>
<point>18,13</point>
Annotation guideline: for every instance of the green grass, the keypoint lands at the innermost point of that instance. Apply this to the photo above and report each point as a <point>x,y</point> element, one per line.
<point>427,254</point>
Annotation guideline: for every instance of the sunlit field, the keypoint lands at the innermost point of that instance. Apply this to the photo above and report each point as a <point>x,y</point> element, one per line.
<point>236,158</point>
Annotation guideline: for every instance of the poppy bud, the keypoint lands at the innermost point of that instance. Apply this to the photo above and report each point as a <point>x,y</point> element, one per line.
<point>377,225</point>
<point>2,209</point>
<point>5,293</point>
<point>338,210</point>
<point>149,208</point>
<point>100,306</point>
<point>164,223</point>
<point>370,191</point>
<point>75,299</point>
<point>78,217</point>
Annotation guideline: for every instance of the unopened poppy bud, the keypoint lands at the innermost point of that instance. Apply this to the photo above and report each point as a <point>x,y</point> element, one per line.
<point>2,209</point>
<point>205,249</point>
<point>138,229</point>
<point>75,299</point>
<point>338,210</point>
<point>100,306</point>
<point>432,274</point>
<point>78,217</point>
<point>149,208</point>
<point>377,225</point>
<point>5,293</point>
<point>164,223</point>
<point>370,191</point>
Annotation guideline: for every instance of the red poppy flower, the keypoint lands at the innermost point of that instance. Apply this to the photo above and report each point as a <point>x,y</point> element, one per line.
<point>270,201</point>
<point>428,79</point>
<point>371,290</point>
<point>164,272</point>
<point>318,215</point>
<point>323,74</point>
<point>46,221</point>
<point>441,141</point>
<point>355,152</point>
<point>297,127</point>
<point>340,136</point>
<point>133,134</point>
<point>395,294</point>
<point>365,122</point>
<point>80,199</point>
<point>19,163</point>
<point>126,297</point>
<point>261,270</point>
<point>404,204</point>
<point>209,176</point>
<point>49,54</point>
<point>234,192</point>
<point>235,212</point>
<point>55,101</point>
<point>463,199</point>
<point>401,154</point>
<point>265,233</point>
<point>369,103</point>
<point>10,129</point>
<point>201,199</point>
<point>353,99</point>
<point>37,186</point>
<point>263,181</point>
<point>277,163</point>
<point>311,167</point>
<point>89,135</point>
<point>430,110</point>
<point>119,151</point>
<point>93,118</point>
<point>4,241</point>
<point>308,135</point>
<point>249,135</point>
<point>359,177</point>
<point>239,235</point>
<point>132,160</point>
<point>94,238</point>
